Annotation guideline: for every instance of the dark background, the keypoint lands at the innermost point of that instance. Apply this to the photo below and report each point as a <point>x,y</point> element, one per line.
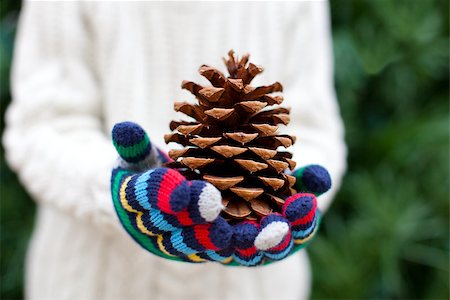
<point>387,233</point>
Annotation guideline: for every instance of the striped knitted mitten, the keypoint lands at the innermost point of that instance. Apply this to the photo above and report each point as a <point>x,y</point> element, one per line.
<point>280,235</point>
<point>179,219</point>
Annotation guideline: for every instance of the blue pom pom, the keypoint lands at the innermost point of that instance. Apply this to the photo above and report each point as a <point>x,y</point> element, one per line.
<point>299,207</point>
<point>127,134</point>
<point>244,235</point>
<point>316,179</point>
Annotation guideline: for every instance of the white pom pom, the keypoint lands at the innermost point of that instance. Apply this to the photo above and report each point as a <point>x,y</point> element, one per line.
<point>271,235</point>
<point>210,203</point>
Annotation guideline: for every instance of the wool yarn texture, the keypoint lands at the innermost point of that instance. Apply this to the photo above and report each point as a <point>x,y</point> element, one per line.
<point>178,219</point>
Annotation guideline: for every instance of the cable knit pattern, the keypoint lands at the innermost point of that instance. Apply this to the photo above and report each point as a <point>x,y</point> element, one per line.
<point>81,67</point>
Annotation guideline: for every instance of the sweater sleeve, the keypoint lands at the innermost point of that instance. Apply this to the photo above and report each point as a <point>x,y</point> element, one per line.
<point>309,91</point>
<point>54,138</point>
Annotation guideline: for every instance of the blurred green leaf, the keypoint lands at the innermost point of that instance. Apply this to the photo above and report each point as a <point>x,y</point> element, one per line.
<point>387,234</point>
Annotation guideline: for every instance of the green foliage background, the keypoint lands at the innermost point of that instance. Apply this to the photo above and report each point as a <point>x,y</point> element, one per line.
<point>387,233</point>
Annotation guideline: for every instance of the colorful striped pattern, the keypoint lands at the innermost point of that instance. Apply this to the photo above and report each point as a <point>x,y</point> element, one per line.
<point>179,220</point>
<point>162,188</point>
<point>172,237</point>
<point>245,252</point>
<point>163,234</point>
<point>300,208</point>
<point>131,142</point>
<point>176,236</point>
<point>282,250</point>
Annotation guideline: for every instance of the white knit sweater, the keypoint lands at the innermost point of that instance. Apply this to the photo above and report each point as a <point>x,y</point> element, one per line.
<point>80,67</point>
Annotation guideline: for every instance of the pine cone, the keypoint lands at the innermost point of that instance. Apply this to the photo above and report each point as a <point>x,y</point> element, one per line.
<point>233,142</point>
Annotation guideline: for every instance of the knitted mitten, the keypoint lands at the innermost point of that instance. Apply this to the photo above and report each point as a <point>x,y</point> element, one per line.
<point>279,235</point>
<point>179,219</point>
